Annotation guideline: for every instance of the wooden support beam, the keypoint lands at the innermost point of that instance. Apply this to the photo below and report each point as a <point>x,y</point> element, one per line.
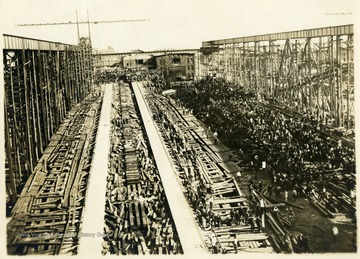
<point>35,142</point>
<point>36,100</point>
<point>11,171</point>
<point>27,115</point>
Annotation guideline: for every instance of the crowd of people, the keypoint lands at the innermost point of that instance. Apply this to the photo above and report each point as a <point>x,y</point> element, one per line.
<point>297,151</point>
<point>300,156</point>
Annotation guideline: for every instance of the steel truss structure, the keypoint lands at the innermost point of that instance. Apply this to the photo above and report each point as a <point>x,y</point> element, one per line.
<point>310,71</point>
<point>43,81</point>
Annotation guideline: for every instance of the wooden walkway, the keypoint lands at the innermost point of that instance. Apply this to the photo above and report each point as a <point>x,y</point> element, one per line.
<point>187,229</point>
<point>91,232</point>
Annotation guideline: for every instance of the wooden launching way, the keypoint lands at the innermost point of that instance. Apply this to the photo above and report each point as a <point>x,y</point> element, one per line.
<point>199,166</point>
<point>47,216</point>
<point>90,237</point>
<point>184,219</point>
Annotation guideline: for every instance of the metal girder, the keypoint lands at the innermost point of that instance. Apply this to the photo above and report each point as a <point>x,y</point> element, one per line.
<point>310,33</point>
<point>170,51</point>
<point>83,22</point>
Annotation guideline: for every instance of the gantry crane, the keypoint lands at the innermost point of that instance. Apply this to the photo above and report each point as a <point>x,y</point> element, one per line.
<point>82,22</point>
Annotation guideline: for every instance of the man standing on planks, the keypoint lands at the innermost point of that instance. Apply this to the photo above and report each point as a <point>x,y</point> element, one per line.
<point>215,135</point>
<point>335,233</point>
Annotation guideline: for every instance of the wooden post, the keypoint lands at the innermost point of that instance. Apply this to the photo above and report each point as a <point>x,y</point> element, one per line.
<point>339,108</point>
<point>15,129</point>
<point>11,172</point>
<point>35,141</point>
<point>37,106</point>
<point>309,108</point>
<point>262,206</point>
<point>27,116</point>
<point>348,82</point>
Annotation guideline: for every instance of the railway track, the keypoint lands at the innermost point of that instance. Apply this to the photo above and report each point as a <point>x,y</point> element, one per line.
<point>47,216</point>
<point>198,170</point>
<point>137,216</point>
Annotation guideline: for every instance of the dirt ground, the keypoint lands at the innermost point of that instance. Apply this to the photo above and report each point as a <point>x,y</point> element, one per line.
<point>311,223</point>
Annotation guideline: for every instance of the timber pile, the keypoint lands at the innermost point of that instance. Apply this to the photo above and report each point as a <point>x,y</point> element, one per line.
<point>280,237</point>
<point>321,203</point>
<point>129,125</point>
<point>47,216</point>
<point>238,239</point>
<point>137,217</point>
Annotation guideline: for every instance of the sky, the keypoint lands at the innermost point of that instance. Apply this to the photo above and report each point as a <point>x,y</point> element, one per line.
<point>172,24</point>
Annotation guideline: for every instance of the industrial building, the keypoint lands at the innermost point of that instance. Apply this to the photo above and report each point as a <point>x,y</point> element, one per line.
<point>180,66</point>
<point>243,145</point>
<point>138,60</point>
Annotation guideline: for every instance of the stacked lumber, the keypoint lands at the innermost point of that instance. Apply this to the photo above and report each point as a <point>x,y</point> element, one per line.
<point>136,208</point>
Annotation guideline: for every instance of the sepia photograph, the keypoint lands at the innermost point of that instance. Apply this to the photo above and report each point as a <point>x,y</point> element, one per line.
<point>192,128</point>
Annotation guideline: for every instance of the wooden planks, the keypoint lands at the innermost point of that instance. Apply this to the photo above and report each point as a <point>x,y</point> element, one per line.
<point>135,202</point>
<point>41,208</point>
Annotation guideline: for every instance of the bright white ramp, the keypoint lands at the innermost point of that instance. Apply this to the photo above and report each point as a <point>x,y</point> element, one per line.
<point>90,242</point>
